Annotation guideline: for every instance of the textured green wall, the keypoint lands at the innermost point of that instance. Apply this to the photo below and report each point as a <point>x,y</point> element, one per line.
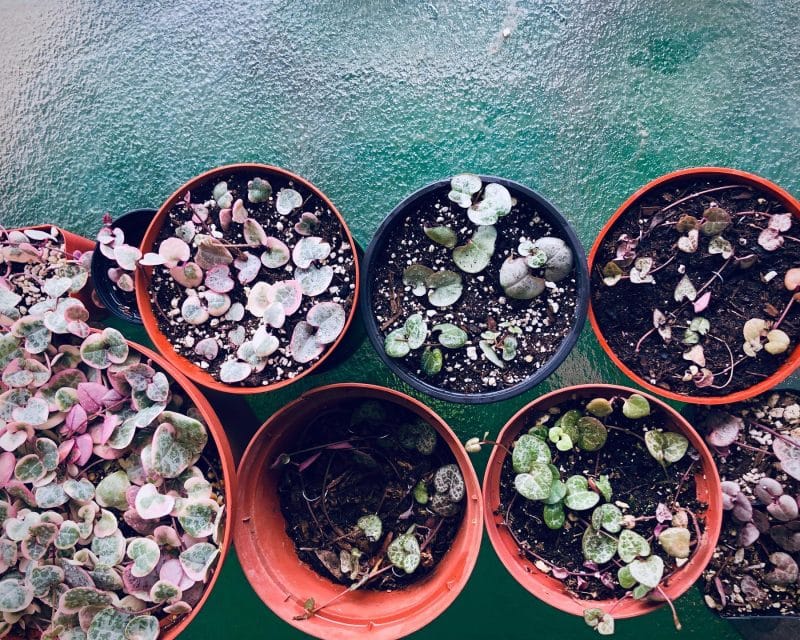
<point>112,105</point>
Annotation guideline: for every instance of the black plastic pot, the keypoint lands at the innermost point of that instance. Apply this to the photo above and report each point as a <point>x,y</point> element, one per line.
<point>120,303</point>
<point>547,210</point>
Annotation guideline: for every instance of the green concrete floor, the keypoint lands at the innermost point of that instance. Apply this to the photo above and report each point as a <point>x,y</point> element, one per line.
<point>110,106</point>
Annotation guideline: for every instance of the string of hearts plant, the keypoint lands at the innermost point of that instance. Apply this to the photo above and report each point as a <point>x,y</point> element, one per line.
<point>251,286</point>
<point>111,510</point>
<point>755,567</point>
<point>583,499</point>
<point>372,501</point>
<point>714,268</point>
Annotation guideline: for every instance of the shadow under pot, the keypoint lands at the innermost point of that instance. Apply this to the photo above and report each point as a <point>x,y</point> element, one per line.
<point>360,516</point>
<point>602,502</point>
<point>114,285</point>
<point>475,289</point>
<point>710,256</point>
<point>250,278</point>
<point>752,579</point>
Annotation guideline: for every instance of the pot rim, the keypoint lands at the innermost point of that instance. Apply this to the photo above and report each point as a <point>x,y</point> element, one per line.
<point>380,239</point>
<point>379,622</point>
<point>101,278</point>
<point>782,372</point>
<point>163,344</point>
<point>538,583</point>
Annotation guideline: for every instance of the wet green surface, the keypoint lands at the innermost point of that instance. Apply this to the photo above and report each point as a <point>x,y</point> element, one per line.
<point>111,106</point>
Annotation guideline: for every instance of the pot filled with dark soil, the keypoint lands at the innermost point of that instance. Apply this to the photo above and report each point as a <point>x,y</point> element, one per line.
<point>246,279</point>
<point>361,513</point>
<point>602,502</point>
<point>753,577</point>
<point>475,289</point>
<point>114,285</point>
<point>710,256</point>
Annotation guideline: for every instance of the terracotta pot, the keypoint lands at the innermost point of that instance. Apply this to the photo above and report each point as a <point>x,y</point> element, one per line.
<point>142,277</point>
<point>552,591</point>
<point>73,242</point>
<point>219,438</point>
<point>562,229</point>
<point>791,204</point>
<point>268,556</point>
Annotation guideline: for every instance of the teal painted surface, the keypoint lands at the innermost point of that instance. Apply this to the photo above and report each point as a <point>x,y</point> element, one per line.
<point>111,106</point>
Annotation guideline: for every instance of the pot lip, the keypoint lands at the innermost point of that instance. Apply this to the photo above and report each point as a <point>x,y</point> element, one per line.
<point>780,374</point>
<point>410,619</point>
<point>100,279</point>
<point>531,580</point>
<point>380,238</point>
<point>145,308</point>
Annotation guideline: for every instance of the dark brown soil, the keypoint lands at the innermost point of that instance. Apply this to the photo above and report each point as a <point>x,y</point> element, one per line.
<point>639,484</point>
<point>738,295</point>
<point>731,562</point>
<point>341,289</point>
<point>545,320</point>
<point>377,476</point>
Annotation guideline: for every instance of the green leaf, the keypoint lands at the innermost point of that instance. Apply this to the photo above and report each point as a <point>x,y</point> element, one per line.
<point>421,492</point>
<point>592,434</point>
<point>404,551</point>
<point>529,450</point>
<point>666,446</point>
<point>581,500</point>
<point>451,336</point>
<point>576,484</point>
<point>446,288</point>
<point>632,545</point>
<point>198,518</point>
<point>396,344</point>
<point>535,484</point>
<point>604,486</point>
<point>599,407</point>
<point>625,579</point>
<point>14,595</point>
<point>462,187</point>
<point>444,236</point>
<point>635,407</point>
<point>145,555</point>
<point>608,517</point>
<point>111,490</point>
<point>553,516</point>
<point>44,578</point>
<point>416,277</point>
<point>197,560</point>
<point>142,628</point>
<point>109,550</point>
<point>647,572</point>
<point>162,591</point>
<point>73,600</point>
<point>432,361</point>
<point>475,256</point>
<point>599,547</point>
<point>600,621</point>
<point>258,190</point>
<point>640,591</point>
<point>372,527</point>
<point>101,350</point>
<point>417,331</point>
<point>495,204</point>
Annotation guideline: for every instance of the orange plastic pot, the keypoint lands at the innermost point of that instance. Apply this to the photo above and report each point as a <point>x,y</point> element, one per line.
<point>72,243</point>
<point>791,204</point>
<point>552,591</point>
<point>143,275</point>
<point>283,582</point>
<point>228,477</point>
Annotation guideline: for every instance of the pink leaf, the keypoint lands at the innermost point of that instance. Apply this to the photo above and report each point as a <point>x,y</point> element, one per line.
<point>174,251</point>
<point>308,461</point>
<point>7,463</point>
<point>90,396</point>
<point>225,219</point>
<point>83,448</point>
<point>239,212</point>
<point>702,302</point>
<point>218,279</point>
<point>76,421</point>
<point>64,449</point>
